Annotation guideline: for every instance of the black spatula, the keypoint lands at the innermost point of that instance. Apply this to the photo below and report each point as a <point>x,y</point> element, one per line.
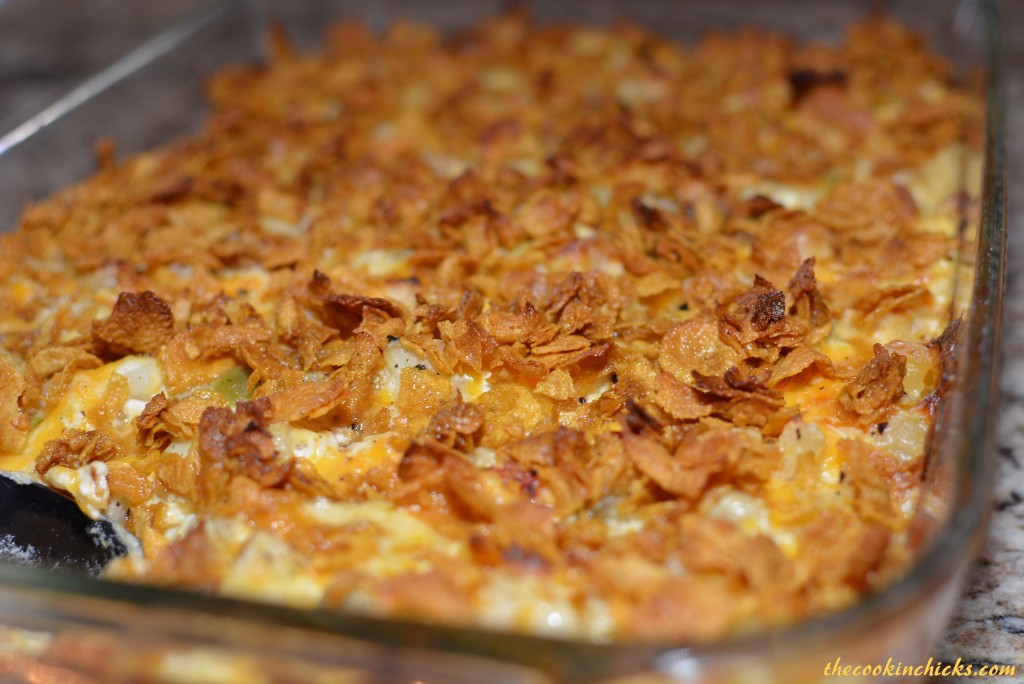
<point>41,527</point>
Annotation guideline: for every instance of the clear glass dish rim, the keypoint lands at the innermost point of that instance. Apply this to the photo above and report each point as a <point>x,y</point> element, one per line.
<point>959,535</point>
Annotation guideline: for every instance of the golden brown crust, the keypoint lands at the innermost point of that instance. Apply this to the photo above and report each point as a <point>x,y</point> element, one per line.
<point>530,318</point>
<point>140,323</point>
<point>877,386</point>
<point>76,448</point>
<point>808,302</point>
<point>237,443</point>
<point>14,424</point>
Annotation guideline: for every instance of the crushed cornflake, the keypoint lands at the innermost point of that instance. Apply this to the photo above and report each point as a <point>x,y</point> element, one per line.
<point>563,330</point>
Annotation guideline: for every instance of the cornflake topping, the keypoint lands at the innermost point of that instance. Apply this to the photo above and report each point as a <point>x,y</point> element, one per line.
<point>554,329</point>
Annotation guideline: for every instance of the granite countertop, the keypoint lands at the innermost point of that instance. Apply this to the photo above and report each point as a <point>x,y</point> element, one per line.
<point>989,622</point>
<point>988,626</point>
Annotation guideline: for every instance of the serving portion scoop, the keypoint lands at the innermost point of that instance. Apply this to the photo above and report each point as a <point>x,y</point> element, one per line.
<point>43,528</point>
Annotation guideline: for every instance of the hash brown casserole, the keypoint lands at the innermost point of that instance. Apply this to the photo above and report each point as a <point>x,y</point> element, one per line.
<point>554,329</point>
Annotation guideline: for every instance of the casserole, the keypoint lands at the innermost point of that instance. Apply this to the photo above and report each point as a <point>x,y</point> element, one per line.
<point>604,658</point>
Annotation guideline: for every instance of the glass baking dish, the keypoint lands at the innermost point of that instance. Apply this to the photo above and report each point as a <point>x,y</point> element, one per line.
<point>40,58</point>
<point>113,632</point>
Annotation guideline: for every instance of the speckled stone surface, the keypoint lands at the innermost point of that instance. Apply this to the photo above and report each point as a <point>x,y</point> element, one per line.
<point>988,626</point>
<point>43,52</point>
